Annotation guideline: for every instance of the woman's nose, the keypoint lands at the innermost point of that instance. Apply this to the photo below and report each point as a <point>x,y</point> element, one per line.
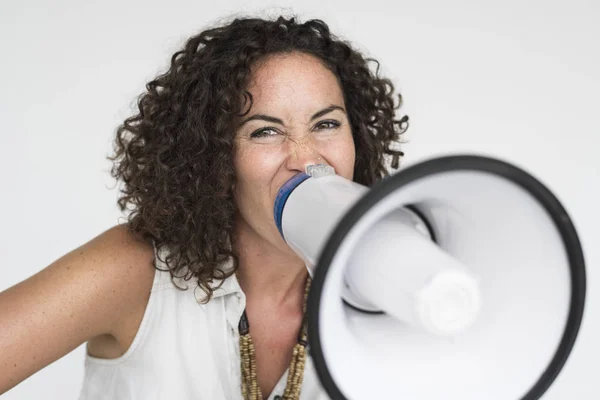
<point>302,154</point>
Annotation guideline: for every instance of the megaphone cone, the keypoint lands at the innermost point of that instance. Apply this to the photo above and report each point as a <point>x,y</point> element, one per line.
<point>461,277</point>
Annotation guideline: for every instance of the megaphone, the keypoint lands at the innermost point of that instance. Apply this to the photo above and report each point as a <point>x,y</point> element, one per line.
<point>461,277</point>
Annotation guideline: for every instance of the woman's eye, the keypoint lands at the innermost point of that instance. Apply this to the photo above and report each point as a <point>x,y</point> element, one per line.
<point>329,124</point>
<point>264,132</point>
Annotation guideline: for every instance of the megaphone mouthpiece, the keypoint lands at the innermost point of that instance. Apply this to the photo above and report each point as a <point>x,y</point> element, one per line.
<point>450,303</point>
<point>420,284</point>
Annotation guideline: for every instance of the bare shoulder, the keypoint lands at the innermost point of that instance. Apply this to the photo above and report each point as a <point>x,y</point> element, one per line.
<point>126,261</point>
<point>120,244</point>
<point>132,270</point>
<point>124,255</point>
<point>97,289</point>
<point>119,267</point>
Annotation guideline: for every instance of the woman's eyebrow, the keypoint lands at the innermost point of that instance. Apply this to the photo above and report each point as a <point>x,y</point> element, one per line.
<point>326,111</point>
<point>263,117</point>
<point>268,118</point>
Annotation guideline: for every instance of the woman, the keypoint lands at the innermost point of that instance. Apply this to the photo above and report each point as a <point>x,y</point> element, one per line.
<point>197,296</point>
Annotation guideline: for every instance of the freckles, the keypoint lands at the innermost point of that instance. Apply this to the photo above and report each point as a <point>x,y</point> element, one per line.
<point>240,158</point>
<point>258,162</point>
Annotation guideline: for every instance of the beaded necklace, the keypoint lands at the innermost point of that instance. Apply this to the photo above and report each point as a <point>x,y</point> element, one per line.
<point>250,388</point>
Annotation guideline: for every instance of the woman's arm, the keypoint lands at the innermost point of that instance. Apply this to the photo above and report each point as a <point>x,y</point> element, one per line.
<point>93,290</point>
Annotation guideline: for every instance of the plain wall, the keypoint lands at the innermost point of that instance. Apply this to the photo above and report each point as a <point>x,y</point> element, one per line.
<point>511,79</point>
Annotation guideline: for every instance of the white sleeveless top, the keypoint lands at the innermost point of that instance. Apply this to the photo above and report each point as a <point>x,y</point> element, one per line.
<point>183,350</point>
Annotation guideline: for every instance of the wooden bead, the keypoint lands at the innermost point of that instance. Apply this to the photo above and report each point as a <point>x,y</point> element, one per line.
<point>249,380</point>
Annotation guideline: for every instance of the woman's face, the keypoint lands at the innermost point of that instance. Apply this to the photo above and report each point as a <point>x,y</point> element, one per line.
<point>297,118</point>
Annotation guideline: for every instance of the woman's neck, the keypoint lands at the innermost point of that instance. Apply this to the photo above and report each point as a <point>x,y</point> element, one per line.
<point>266,273</point>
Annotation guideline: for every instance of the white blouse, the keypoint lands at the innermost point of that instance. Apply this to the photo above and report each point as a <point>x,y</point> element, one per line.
<point>184,350</point>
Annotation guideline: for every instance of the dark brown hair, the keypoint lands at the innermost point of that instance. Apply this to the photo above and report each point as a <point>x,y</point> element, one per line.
<point>174,156</point>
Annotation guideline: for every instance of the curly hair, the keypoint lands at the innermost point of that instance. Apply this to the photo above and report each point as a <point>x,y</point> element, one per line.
<point>175,156</point>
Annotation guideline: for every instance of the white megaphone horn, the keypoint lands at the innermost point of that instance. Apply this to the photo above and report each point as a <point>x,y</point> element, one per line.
<point>461,277</point>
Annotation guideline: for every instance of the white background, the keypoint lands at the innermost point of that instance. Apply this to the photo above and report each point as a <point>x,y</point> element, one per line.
<point>513,79</point>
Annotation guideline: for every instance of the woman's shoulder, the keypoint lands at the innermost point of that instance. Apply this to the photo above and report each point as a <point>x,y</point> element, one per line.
<point>132,271</point>
<point>127,259</point>
<point>120,238</point>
